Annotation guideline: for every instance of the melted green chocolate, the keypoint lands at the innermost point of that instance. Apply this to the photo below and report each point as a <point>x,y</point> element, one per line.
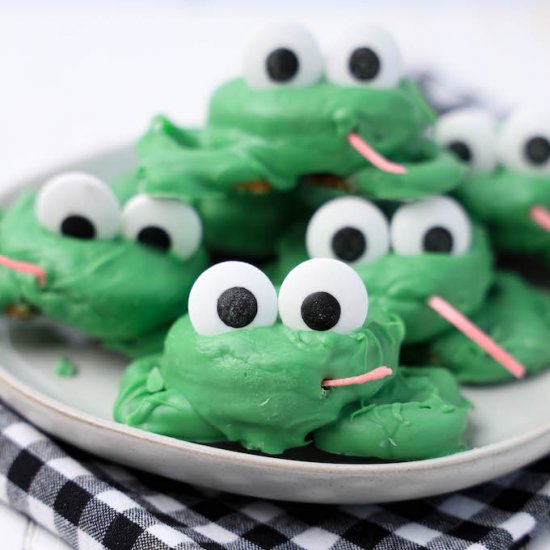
<point>281,134</point>
<point>262,388</point>
<point>371,182</point>
<point>239,223</point>
<point>403,284</point>
<point>502,201</point>
<point>517,316</point>
<point>145,402</point>
<point>419,414</point>
<point>268,382</point>
<point>115,290</point>
<point>270,378</point>
<point>65,368</point>
<point>258,144</point>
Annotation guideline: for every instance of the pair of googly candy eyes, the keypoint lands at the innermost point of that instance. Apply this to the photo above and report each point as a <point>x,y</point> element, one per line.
<point>317,295</point>
<point>288,55</point>
<point>355,230</point>
<point>521,143</point>
<point>82,206</point>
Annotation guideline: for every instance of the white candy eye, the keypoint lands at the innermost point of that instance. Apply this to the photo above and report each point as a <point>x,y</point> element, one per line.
<point>366,56</point>
<point>229,296</point>
<point>323,294</point>
<point>435,225</point>
<point>78,205</point>
<point>164,224</point>
<point>350,229</point>
<point>283,55</point>
<point>470,135</point>
<point>524,142</point>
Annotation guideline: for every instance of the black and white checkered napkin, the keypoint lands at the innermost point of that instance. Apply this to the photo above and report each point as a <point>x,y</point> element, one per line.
<point>94,505</point>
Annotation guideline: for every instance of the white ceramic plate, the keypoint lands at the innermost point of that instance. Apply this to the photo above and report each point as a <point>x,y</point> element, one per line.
<point>510,426</point>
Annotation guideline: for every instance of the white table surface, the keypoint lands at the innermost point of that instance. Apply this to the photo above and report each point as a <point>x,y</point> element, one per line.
<point>83,76</point>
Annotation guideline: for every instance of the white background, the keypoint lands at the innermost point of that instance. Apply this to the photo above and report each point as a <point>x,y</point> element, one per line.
<point>76,77</point>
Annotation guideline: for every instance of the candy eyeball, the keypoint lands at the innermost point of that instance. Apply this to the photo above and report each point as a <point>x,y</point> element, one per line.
<point>78,205</point>
<point>323,294</point>
<point>350,229</point>
<point>162,224</point>
<point>437,225</point>
<point>470,135</point>
<point>230,296</point>
<point>524,142</point>
<point>365,56</point>
<point>283,55</point>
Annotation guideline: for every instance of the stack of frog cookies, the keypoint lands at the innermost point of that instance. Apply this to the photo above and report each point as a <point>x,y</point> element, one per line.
<point>316,180</point>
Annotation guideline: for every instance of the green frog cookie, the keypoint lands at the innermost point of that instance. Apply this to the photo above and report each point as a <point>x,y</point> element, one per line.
<point>508,187</point>
<point>431,267</point>
<point>295,121</point>
<point>231,371</point>
<point>117,273</point>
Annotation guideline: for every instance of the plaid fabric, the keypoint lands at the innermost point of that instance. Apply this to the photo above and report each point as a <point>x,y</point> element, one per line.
<point>93,504</point>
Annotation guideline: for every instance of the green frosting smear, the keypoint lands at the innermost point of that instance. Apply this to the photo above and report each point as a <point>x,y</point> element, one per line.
<point>502,201</point>
<point>403,284</point>
<point>100,287</point>
<point>517,316</point>
<point>419,414</point>
<point>65,368</point>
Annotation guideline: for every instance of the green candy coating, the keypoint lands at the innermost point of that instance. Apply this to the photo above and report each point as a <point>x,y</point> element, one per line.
<point>291,132</point>
<point>515,315</point>
<point>270,377</point>
<point>267,141</point>
<point>268,380</point>
<point>145,402</point>
<point>403,284</point>
<point>502,200</point>
<point>262,388</point>
<point>420,414</point>
<point>281,134</point>
<point>243,224</point>
<point>238,222</point>
<point>518,318</point>
<point>416,183</point>
<point>65,368</point>
<point>100,287</point>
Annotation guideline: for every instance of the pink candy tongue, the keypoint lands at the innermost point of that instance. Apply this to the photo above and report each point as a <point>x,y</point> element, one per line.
<point>483,340</point>
<point>24,267</point>
<point>376,374</point>
<point>382,163</point>
<point>541,216</point>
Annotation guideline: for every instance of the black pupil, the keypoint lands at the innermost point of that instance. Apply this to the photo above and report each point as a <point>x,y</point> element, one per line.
<point>237,307</point>
<point>156,237</point>
<point>349,244</point>
<point>364,64</point>
<point>537,150</point>
<point>282,65</point>
<point>78,227</point>
<point>461,150</point>
<point>320,311</point>
<point>438,239</point>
